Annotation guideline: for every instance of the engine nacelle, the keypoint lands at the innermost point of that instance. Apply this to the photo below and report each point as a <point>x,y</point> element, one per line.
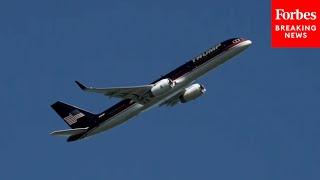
<point>192,92</point>
<point>162,87</point>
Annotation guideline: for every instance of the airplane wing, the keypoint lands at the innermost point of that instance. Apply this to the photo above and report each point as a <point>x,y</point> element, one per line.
<point>135,93</point>
<point>173,100</point>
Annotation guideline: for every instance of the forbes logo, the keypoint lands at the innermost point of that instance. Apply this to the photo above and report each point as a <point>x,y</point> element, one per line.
<point>281,14</point>
<point>295,23</point>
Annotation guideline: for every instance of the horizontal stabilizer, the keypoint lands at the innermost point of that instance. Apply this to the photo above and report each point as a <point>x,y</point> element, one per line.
<point>69,132</point>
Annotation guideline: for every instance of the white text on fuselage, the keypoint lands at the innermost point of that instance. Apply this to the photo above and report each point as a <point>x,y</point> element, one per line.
<point>206,53</point>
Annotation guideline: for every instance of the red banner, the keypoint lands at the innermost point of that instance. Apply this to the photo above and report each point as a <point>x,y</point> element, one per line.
<point>295,23</point>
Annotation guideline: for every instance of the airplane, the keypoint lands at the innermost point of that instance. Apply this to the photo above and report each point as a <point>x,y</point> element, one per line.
<point>175,87</point>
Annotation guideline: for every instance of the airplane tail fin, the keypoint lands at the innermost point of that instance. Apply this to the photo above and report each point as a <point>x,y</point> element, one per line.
<point>74,116</point>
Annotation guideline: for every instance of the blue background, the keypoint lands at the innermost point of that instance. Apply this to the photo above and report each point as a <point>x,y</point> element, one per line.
<point>258,120</point>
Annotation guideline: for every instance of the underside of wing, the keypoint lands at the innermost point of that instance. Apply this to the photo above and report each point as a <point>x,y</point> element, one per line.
<point>172,101</point>
<point>135,93</point>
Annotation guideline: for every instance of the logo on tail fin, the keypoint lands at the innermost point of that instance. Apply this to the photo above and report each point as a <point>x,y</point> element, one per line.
<point>73,117</point>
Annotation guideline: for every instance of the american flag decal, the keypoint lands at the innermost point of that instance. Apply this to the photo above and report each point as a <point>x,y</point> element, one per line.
<point>72,117</point>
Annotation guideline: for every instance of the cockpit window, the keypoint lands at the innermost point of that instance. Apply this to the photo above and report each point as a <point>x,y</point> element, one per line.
<point>231,41</point>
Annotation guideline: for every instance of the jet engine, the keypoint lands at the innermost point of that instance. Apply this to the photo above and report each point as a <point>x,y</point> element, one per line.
<point>192,92</point>
<point>162,87</point>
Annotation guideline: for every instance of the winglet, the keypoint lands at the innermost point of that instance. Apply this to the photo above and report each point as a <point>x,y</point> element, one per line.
<point>83,87</point>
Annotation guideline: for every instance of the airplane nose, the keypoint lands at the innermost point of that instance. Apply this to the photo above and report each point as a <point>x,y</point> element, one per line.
<point>244,45</point>
<point>240,47</point>
<point>247,43</point>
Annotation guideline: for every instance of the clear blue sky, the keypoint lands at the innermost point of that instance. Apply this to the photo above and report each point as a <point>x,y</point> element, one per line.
<point>258,120</point>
